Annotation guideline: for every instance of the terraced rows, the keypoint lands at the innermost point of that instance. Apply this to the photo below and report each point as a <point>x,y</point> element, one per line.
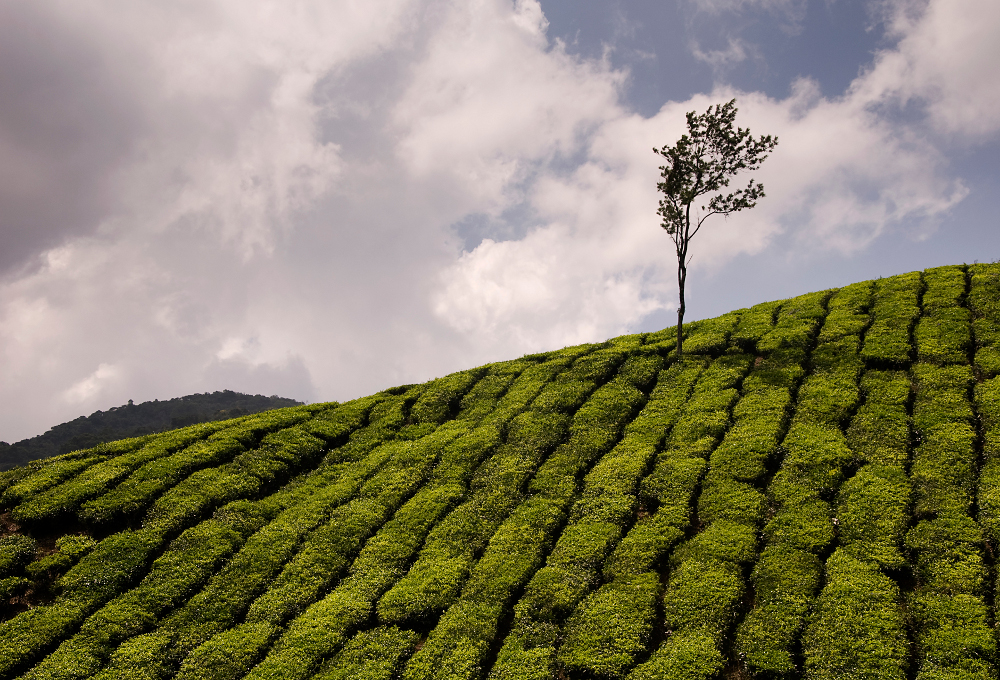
<point>812,491</point>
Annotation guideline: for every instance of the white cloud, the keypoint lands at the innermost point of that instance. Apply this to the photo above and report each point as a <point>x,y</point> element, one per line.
<point>92,385</point>
<point>486,104</point>
<point>946,60</point>
<point>283,218</point>
<point>840,176</point>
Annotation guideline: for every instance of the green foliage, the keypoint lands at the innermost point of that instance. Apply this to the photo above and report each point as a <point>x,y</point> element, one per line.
<point>943,470</point>
<point>797,322</point>
<point>953,629</point>
<point>785,580</point>
<point>442,396</point>
<point>948,555</point>
<point>461,640</point>
<point>69,549</point>
<point>951,619</point>
<point>328,551</point>
<point>377,654</point>
<point>612,627</point>
<point>710,336</point>
<point>229,655</point>
<point>688,655</point>
<point>15,552</point>
<point>984,293</point>
<point>944,337</point>
<point>894,313</point>
<point>666,402</point>
<point>753,439</point>
<point>703,594</point>
<point>12,586</point>
<point>941,396</point>
<point>141,487</point>
<point>734,542</point>
<point>987,398</point>
<point>436,579</point>
<point>726,499</point>
<point>754,324</point>
<point>327,624</point>
<point>872,513</point>
<point>945,288</point>
<point>804,523</point>
<point>989,498</point>
<point>847,314</point>
<point>857,629</point>
<point>880,432</point>
<point>95,479</point>
<point>839,355</point>
<point>48,476</point>
<point>226,598</point>
<point>828,397</point>
<point>815,461</point>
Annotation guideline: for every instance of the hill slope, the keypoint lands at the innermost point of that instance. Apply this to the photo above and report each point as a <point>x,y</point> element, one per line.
<point>813,491</point>
<point>135,420</point>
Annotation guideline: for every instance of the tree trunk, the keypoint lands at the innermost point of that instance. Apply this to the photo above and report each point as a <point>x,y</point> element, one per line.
<point>681,278</point>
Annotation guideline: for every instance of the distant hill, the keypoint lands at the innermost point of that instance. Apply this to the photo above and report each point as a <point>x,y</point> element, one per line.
<point>134,420</point>
<point>811,492</point>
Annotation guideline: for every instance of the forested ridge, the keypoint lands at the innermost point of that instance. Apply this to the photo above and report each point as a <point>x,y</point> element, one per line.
<point>812,491</point>
<point>135,420</point>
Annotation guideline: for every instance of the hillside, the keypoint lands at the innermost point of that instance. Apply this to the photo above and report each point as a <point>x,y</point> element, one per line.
<point>135,420</point>
<point>813,491</point>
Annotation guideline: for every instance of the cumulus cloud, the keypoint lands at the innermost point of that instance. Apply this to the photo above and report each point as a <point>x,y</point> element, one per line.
<point>945,62</point>
<point>277,197</point>
<point>841,175</point>
<point>91,386</point>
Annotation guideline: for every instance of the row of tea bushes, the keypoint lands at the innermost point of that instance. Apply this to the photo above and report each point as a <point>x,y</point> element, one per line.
<point>458,645</point>
<point>119,560</point>
<point>380,463</point>
<point>856,628</point>
<point>66,498</point>
<point>90,650</point>
<point>984,303</point>
<point>613,625</point>
<point>607,502</point>
<point>326,625</point>
<point>706,587</point>
<point>600,511</point>
<point>950,616</point>
<point>208,618</point>
<point>435,581</point>
<point>787,574</point>
<point>897,307</point>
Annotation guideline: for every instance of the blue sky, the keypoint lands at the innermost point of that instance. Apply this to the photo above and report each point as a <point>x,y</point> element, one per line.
<point>324,198</point>
<point>829,41</point>
<point>659,43</point>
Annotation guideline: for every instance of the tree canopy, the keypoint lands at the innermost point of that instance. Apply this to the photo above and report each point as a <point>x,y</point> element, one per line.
<point>702,162</point>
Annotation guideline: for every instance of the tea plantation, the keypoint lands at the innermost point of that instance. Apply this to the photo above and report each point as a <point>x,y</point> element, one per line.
<point>812,491</point>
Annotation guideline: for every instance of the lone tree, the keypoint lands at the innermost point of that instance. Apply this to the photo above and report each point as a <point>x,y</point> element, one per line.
<point>702,162</point>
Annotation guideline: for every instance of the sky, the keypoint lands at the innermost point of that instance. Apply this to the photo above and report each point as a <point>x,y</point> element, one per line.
<point>322,199</point>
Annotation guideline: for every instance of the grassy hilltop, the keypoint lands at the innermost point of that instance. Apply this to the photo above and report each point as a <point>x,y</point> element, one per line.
<point>813,491</point>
